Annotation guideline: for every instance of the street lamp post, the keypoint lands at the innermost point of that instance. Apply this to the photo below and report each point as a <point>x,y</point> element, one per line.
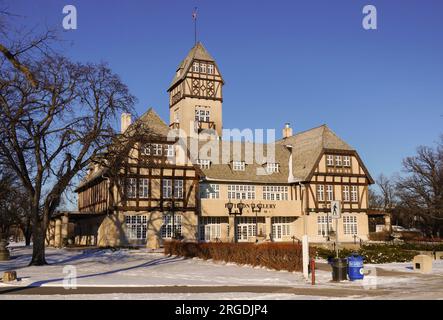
<point>240,207</point>
<point>256,209</point>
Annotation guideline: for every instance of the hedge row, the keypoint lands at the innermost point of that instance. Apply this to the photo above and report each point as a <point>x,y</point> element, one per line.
<point>278,256</point>
<point>373,253</point>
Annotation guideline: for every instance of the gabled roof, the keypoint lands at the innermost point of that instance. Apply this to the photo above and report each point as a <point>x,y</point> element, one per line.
<point>198,52</point>
<point>309,145</point>
<point>150,120</point>
<point>228,151</point>
<point>153,121</point>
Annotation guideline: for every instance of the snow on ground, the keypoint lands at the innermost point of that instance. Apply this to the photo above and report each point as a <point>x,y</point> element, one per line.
<point>138,268</point>
<point>437,267</point>
<point>168,296</point>
<point>142,268</point>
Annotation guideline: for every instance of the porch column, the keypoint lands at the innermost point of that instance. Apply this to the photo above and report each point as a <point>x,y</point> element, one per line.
<point>231,235</point>
<point>64,228</point>
<point>58,233</point>
<point>268,228</point>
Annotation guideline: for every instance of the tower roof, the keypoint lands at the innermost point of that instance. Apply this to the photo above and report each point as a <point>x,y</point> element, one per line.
<point>198,52</point>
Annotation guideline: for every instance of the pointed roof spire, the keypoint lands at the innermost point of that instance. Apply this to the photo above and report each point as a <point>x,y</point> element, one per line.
<point>197,52</point>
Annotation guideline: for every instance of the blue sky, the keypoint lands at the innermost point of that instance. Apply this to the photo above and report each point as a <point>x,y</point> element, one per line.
<point>303,62</point>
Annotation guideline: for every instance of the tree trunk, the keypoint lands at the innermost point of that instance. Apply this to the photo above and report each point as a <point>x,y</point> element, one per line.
<point>38,247</point>
<point>27,235</point>
<point>27,231</point>
<point>39,237</point>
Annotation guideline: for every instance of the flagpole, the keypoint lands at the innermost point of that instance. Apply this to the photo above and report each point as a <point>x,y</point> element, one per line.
<point>194,16</point>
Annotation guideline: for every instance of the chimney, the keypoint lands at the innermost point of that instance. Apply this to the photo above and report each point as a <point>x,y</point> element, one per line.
<point>287,131</point>
<point>125,121</point>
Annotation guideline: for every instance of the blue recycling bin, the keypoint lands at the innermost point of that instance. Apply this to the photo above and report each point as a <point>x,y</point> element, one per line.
<point>355,267</point>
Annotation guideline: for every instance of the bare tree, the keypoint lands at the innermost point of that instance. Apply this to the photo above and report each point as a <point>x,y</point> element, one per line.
<point>421,191</point>
<point>388,193</point>
<point>14,205</point>
<point>50,131</point>
<point>375,200</point>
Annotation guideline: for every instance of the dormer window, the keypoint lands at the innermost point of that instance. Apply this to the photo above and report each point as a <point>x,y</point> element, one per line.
<point>169,149</point>
<point>196,67</point>
<point>346,161</point>
<point>146,150</point>
<point>238,165</point>
<point>338,162</point>
<point>330,160</point>
<point>210,69</point>
<point>157,149</point>
<point>203,67</point>
<point>272,167</point>
<point>204,163</point>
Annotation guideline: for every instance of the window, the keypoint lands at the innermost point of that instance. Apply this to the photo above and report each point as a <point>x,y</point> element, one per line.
<point>338,161</point>
<point>172,225</point>
<point>346,161</point>
<point>281,227</point>
<point>330,192</point>
<point>203,67</point>
<point>238,165</point>
<point>169,149</point>
<point>320,192</point>
<point>346,196</point>
<point>272,167</point>
<point>275,193</point>
<point>241,192</point>
<point>349,224</point>
<point>178,189</point>
<point>195,67</point>
<point>167,188</point>
<point>330,160</point>
<point>201,115</point>
<point>157,149</point>
<point>146,149</point>
<point>322,225</point>
<point>143,187</point>
<point>131,187</point>
<point>246,227</point>
<point>210,191</point>
<point>136,227</point>
<point>210,69</point>
<point>210,228</point>
<point>354,193</point>
<point>204,163</point>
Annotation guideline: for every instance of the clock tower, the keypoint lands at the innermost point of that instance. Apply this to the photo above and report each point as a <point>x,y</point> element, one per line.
<point>195,94</point>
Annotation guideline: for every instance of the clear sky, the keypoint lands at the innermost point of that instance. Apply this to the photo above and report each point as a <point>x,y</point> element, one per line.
<point>303,62</point>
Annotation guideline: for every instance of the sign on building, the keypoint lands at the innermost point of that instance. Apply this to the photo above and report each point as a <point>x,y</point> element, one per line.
<point>335,209</point>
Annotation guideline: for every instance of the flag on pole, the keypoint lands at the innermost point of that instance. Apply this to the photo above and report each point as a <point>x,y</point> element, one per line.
<point>194,14</point>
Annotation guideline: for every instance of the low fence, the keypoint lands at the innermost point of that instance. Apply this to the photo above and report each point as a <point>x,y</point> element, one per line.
<point>278,256</point>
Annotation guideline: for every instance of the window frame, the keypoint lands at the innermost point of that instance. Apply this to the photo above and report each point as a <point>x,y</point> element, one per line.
<point>143,188</point>
<point>238,165</point>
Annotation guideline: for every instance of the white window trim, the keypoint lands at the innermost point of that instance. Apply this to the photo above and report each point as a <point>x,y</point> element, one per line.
<point>241,192</point>
<point>320,192</point>
<point>136,227</point>
<point>143,188</point>
<point>204,163</point>
<point>275,193</point>
<point>272,167</point>
<point>131,187</point>
<point>238,165</point>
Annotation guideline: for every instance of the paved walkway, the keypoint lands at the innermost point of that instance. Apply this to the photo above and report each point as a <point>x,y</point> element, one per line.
<point>314,291</point>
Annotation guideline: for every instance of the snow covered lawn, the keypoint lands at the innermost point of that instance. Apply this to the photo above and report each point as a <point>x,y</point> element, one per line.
<point>136,269</point>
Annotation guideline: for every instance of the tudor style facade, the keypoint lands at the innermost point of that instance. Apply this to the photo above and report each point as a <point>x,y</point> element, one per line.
<point>166,190</point>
